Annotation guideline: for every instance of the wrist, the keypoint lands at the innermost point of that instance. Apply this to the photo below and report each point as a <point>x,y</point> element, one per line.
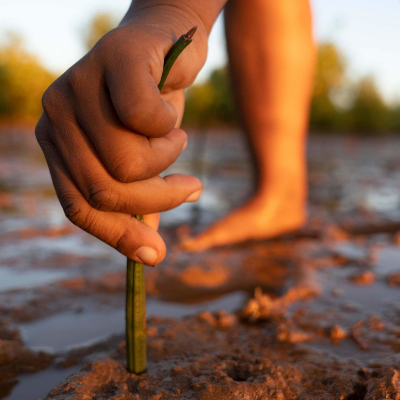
<point>188,13</point>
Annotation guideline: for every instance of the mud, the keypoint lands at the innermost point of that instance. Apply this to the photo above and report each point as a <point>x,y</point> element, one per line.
<point>229,361</point>
<point>311,315</point>
<point>310,341</point>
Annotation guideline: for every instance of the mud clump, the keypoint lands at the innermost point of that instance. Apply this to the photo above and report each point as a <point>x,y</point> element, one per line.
<point>365,278</point>
<point>197,358</point>
<point>394,279</point>
<point>385,386</point>
<point>16,359</point>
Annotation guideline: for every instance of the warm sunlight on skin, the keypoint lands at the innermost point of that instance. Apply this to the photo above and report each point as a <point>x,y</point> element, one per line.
<point>107,132</point>
<point>272,58</point>
<point>106,143</point>
<point>366,31</point>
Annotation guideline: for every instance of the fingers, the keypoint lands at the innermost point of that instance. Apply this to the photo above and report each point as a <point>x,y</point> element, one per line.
<point>127,156</point>
<point>130,62</point>
<point>107,194</point>
<point>177,98</point>
<point>137,99</point>
<point>129,236</point>
<point>106,134</point>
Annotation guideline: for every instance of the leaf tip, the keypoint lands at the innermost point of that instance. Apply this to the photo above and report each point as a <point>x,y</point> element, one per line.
<point>191,33</point>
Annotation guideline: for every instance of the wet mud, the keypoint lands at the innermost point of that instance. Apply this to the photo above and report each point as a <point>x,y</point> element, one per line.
<point>310,315</point>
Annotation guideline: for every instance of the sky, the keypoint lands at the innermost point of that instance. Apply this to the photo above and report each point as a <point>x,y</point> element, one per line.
<point>367,31</point>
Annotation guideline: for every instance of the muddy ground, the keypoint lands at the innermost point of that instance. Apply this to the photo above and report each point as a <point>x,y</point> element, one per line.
<point>312,315</point>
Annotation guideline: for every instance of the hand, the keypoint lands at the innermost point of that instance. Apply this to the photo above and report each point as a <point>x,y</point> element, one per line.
<point>107,133</point>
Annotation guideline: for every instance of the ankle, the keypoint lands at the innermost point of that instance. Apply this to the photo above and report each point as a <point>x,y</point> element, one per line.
<point>294,193</point>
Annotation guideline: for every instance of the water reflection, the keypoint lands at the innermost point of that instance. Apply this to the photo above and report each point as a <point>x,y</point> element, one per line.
<point>83,279</point>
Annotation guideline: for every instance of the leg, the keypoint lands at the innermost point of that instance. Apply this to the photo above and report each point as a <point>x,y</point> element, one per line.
<point>272,54</point>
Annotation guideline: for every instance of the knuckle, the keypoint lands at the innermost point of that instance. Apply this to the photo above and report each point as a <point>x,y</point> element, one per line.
<point>110,44</point>
<point>171,202</point>
<point>40,133</point>
<point>108,39</point>
<point>120,244</point>
<point>183,81</point>
<point>130,170</point>
<point>74,212</point>
<point>101,197</point>
<point>74,78</point>
<point>136,115</point>
<point>48,99</point>
<point>52,99</point>
<point>43,134</point>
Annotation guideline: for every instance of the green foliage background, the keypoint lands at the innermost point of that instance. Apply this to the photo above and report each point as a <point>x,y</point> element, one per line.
<point>22,82</point>
<point>338,104</point>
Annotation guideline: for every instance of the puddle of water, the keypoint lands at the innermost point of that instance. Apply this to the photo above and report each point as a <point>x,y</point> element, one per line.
<point>383,199</point>
<point>348,182</point>
<point>63,331</point>
<point>350,250</point>
<point>388,260</point>
<point>229,302</point>
<point>346,349</point>
<point>363,301</point>
<point>71,244</point>
<point>35,386</point>
<point>16,279</point>
<point>371,298</point>
<point>59,332</point>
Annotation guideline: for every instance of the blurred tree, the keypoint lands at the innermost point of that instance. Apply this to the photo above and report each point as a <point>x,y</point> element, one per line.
<point>369,113</point>
<point>337,104</point>
<point>330,69</point>
<point>22,81</point>
<point>100,24</point>
<point>329,78</point>
<point>210,103</point>
<point>198,105</point>
<point>223,104</point>
<point>394,117</point>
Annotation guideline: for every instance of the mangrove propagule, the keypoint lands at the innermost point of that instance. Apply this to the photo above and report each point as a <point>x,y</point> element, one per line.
<point>135,285</point>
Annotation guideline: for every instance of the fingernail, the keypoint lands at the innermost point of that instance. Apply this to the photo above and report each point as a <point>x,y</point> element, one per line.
<point>184,145</point>
<point>193,197</point>
<point>147,255</point>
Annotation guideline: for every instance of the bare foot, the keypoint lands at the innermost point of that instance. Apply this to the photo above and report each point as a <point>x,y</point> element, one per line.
<point>260,218</point>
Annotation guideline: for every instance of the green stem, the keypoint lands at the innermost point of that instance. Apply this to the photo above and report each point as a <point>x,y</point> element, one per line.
<point>135,286</point>
<point>173,54</point>
<point>135,316</point>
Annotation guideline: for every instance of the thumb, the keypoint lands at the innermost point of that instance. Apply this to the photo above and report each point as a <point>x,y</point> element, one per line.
<point>135,95</point>
<point>136,240</point>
